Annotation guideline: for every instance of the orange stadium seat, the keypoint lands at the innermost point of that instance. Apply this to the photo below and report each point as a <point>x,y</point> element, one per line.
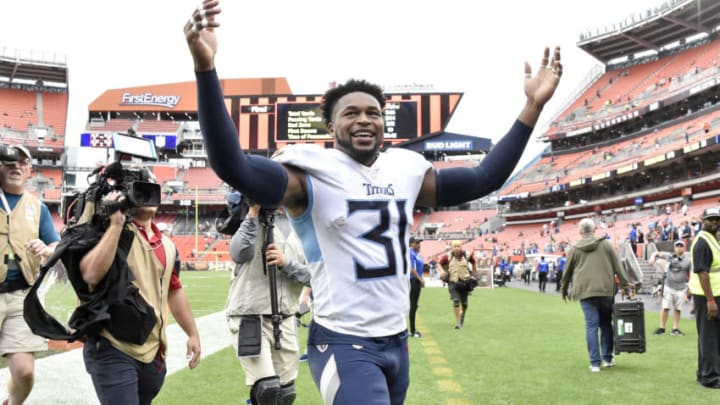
<point>157,126</point>
<point>202,177</point>
<point>165,173</point>
<point>19,110</point>
<point>55,174</point>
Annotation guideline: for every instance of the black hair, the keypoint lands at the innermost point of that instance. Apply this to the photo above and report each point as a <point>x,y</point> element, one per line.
<point>332,96</point>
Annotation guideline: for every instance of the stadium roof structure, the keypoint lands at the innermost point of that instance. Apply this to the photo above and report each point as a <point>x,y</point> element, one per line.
<point>448,142</point>
<point>32,66</point>
<point>180,97</point>
<point>673,21</point>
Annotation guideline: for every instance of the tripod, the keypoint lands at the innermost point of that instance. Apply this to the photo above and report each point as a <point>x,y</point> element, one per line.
<point>267,219</point>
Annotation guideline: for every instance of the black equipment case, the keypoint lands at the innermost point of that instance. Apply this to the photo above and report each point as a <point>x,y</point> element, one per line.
<point>629,326</point>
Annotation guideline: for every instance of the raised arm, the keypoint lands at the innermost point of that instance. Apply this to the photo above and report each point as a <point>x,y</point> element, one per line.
<point>257,177</point>
<point>460,184</point>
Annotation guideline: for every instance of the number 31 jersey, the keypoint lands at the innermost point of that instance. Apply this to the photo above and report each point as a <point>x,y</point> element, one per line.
<point>355,234</point>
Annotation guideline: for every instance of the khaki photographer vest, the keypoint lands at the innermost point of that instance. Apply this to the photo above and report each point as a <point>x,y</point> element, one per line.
<point>22,225</point>
<point>459,269</point>
<point>153,281</point>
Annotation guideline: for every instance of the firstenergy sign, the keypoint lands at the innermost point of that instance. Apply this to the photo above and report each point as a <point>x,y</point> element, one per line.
<point>150,99</point>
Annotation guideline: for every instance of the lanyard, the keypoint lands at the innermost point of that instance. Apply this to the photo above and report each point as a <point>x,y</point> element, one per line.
<point>6,206</point>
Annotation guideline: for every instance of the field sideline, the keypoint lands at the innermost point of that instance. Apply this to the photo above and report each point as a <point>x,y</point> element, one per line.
<point>517,346</point>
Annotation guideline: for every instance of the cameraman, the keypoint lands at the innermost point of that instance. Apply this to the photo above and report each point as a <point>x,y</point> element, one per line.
<point>129,373</point>
<point>27,236</point>
<point>270,373</point>
<point>457,268</point>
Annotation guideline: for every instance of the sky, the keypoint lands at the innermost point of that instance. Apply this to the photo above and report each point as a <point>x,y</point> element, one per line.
<point>477,48</point>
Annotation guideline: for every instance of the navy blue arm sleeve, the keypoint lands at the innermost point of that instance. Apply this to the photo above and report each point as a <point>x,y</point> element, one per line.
<point>259,178</point>
<point>457,185</point>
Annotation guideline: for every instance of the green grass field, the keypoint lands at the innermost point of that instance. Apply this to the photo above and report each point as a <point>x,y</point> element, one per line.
<point>517,347</point>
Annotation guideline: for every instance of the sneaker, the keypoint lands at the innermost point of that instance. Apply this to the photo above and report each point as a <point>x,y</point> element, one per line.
<point>458,325</point>
<point>417,334</point>
<point>594,369</point>
<point>303,357</point>
<point>677,332</point>
<point>659,331</point>
<point>608,364</point>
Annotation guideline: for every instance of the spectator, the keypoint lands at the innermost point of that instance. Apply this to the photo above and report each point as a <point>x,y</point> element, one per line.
<point>674,291</point>
<point>560,269</point>
<point>542,268</point>
<point>591,268</point>
<point>633,238</point>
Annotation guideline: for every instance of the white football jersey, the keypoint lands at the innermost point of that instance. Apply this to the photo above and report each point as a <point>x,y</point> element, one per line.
<point>355,236</point>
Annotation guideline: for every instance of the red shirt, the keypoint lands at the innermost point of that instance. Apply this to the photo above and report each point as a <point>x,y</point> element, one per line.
<point>155,241</point>
<point>445,259</point>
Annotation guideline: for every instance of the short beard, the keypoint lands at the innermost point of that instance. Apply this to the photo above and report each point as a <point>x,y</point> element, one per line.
<point>358,155</point>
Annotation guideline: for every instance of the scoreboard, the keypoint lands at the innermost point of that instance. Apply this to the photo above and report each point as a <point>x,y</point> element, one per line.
<point>297,122</point>
<point>267,123</point>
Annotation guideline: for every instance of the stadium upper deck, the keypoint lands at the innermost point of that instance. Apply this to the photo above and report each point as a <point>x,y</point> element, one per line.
<point>33,112</point>
<point>642,132</point>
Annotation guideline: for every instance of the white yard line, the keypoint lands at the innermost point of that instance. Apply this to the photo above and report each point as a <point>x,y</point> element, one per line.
<point>62,379</point>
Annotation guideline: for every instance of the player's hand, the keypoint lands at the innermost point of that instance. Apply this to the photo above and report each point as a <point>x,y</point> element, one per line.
<point>540,87</point>
<point>200,34</point>
<point>193,351</point>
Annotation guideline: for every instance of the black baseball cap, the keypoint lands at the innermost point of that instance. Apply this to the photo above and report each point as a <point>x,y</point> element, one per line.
<point>711,213</point>
<point>415,239</point>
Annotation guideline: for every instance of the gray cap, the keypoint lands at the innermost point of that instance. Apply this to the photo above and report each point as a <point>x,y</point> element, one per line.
<point>23,150</point>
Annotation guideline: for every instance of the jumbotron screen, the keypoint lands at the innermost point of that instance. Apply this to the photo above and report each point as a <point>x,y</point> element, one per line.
<point>297,122</point>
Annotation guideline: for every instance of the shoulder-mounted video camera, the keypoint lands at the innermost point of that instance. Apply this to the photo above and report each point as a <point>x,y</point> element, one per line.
<point>137,185</point>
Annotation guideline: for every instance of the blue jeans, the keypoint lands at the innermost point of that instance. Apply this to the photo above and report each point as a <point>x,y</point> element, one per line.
<point>598,314</point>
<point>120,379</point>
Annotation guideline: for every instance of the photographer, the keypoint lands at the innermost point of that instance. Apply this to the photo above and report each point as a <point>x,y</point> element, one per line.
<point>124,372</point>
<point>270,373</point>
<point>27,236</point>
<point>458,268</point>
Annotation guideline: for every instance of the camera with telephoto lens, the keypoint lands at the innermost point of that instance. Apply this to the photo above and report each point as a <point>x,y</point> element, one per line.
<point>8,153</point>
<point>238,206</point>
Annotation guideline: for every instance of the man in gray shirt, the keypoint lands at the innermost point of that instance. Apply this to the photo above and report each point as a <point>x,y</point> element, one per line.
<point>675,290</point>
<point>269,372</point>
